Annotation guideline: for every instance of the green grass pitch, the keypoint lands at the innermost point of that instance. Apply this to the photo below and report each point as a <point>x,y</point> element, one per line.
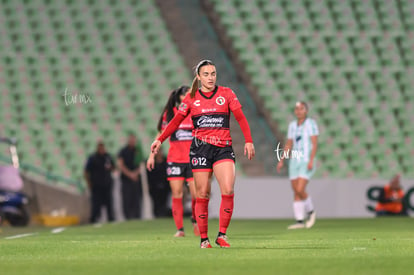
<point>333,246</point>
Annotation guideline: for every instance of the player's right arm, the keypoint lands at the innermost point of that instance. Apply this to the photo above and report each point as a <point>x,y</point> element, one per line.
<point>151,157</point>
<point>182,113</point>
<point>171,128</point>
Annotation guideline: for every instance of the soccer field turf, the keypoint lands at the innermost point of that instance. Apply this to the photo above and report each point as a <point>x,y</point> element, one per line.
<point>333,246</point>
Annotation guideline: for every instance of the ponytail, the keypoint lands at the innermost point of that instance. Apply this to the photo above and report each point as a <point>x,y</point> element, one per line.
<point>194,87</point>
<point>168,109</point>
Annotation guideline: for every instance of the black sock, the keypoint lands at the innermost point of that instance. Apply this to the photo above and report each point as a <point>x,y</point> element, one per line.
<point>181,229</point>
<point>221,234</point>
<point>301,221</point>
<point>204,239</point>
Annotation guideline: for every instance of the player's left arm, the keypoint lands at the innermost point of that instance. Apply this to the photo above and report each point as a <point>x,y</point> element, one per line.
<point>236,108</point>
<point>314,132</point>
<point>314,141</point>
<point>244,125</point>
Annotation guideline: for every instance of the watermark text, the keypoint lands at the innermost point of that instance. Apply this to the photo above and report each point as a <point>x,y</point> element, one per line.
<point>76,98</point>
<point>288,154</point>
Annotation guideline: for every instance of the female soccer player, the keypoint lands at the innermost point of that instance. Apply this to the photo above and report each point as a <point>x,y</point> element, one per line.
<point>301,145</point>
<point>178,160</point>
<point>211,150</point>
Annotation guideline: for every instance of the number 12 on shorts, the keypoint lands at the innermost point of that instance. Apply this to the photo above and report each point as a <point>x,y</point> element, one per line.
<point>200,161</point>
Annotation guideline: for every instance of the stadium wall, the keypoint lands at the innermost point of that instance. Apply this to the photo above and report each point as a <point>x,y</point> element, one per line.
<point>45,199</point>
<point>272,197</point>
<point>255,198</point>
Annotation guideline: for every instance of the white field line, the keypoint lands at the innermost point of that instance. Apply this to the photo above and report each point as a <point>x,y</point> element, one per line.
<point>20,236</point>
<point>58,230</point>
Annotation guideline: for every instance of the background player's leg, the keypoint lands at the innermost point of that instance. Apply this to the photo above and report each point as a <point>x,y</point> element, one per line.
<point>307,201</point>
<point>300,189</point>
<point>298,206</point>
<point>177,205</point>
<point>191,186</point>
<point>303,195</point>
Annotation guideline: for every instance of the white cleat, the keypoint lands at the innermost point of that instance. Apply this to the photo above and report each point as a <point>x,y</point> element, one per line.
<point>311,221</point>
<point>179,234</point>
<point>296,226</point>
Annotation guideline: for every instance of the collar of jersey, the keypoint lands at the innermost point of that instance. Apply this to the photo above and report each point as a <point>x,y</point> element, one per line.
<point>302,122</point>
<point>212,93</point>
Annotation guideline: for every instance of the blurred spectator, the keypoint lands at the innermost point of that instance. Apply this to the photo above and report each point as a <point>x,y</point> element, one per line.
<point>98,176</point>
<point>129,159</point>
<point>159,187</point>
<point>391,200</point>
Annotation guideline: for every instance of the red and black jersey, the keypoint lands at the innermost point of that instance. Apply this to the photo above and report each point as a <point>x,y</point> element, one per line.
<point>210,113</point>
<point>180,140</point>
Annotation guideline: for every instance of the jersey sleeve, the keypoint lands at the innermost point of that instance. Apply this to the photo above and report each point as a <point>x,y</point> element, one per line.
<point>172,126</point>
<point>314,131</point>
<point>244,125</point>
<point>234,102</point>
<point>291,131</point>
<point>185,105</point>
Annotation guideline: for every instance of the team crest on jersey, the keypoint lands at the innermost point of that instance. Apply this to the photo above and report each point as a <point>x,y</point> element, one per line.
<point>194,161</point>
<point>197,103</point>
<point>220,100</point>
<point>183,107</point>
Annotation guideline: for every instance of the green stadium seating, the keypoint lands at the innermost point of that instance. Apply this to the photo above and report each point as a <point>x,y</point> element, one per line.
<point>119,53</point>
<point>351,60</point>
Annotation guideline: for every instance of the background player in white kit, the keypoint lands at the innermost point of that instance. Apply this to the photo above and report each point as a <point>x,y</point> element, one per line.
<point>301,145</point>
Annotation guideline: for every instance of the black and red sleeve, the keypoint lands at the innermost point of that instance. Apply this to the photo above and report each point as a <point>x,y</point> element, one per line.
<point>244,125</point>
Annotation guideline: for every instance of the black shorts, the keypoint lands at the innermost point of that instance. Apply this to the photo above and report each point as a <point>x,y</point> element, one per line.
<point>179,171</point>
<point>203,156</point>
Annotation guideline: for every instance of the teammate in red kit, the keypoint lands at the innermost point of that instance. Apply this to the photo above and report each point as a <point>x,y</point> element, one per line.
<point>211,149</point>
<point>178,160</point>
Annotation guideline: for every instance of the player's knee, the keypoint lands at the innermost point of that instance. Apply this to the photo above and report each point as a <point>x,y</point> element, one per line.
<point>203,194</point>
<point>177,194</point>
<point>227,192</point>
<point>227,188</point>
<point>297,192</point>
<point>302,194</point>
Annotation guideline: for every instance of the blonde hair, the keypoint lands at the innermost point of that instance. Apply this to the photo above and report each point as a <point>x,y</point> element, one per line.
<point>194,85</point>
<point>304,104</point>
